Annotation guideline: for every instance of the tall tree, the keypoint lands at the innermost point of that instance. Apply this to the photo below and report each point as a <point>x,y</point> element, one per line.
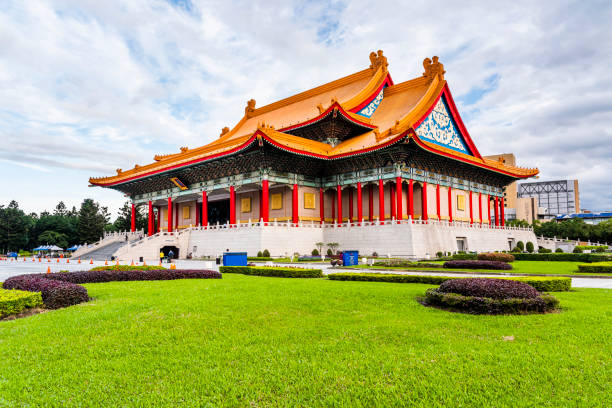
<point>14,227</point>
<point>92,220</point>
<point>124,218</point>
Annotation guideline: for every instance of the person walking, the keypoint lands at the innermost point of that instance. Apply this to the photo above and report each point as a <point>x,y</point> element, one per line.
<point>161,256</point>
<point>170,255</point>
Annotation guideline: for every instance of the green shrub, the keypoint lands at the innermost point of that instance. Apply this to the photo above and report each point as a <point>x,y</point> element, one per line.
<point>558,251</point>
<point>594,248</point>
<point>15,301</point>
<point>577,250</point>
<point>516,250</point>
<point>563,257</point>
<point>315,252</point>
<point>127,268</point>
<point>259,258</point>
<point>259,254</point>
<point>462,256</point>
<point>265,253</point>
<point>529,247</point>
<point>439,254</point>
<point>543,250</point>
<point>520,246</point>
<point>596,267</point>
<point>281,272</point>
<point>601,249</point>
<point>24,253</point>
<point>329,252</point>
<point>541,284</point>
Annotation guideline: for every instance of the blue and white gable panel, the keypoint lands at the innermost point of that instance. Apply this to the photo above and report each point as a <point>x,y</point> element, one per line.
<point>371,107</point>
<point>440,128</point>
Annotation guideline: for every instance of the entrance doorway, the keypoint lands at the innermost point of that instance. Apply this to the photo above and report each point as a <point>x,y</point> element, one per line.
<point>218,212</point>
<point>167,249</point>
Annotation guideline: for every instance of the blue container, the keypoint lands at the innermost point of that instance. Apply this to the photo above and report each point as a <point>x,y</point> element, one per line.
<point>350,258</point>
<point>234,259</point>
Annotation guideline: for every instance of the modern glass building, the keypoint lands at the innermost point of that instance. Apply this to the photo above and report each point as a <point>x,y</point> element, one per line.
<point>558,197</point>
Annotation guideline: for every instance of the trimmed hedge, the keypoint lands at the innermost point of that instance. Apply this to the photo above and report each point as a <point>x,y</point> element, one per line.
<point>596,267</point>
<point>127,268</point>
<point>407,264</point>
<point>496,256</point>
<point>484,305</point>
<point>489,288</point>
<point>541,284</point>
<point>470,264</point>
<point>562,257</point>
<point>55,293</point>
<point>463,257</point>
<point>62,289</point>
<point>280,272</point>
<point>14,301</point>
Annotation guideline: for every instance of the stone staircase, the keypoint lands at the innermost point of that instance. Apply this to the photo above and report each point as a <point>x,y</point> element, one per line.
<point>106,252</point>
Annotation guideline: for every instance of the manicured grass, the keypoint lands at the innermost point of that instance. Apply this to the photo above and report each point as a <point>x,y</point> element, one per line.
<point>255,341</point>
<point>531,267</point>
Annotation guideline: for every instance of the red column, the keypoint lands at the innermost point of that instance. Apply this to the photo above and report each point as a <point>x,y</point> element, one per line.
<point>410,199</point>
<point>350,204</point>
<point>294,205</point>
<point>232,205</point>
<point>480,207</point>
<point>322,205</point>
<point>265,201</point>
<point>398,206</point>
<point>197,211</point>
<point>438,213</point>
<point>204,209</point>
<point>471,209</point>
<point>496,211</point>
<point>133,219</point>
<point>489,208</point>
<point>502,216</point>
<point>169,214</point>
<point>381,201</point>
<point>339,187</point>
<point>150,229</point>
<point>359,204</point>
<point>450,204</point>
<point>392,200</point>
<point>371,202</point>
<point>333,214</point>
<point>424,215</point>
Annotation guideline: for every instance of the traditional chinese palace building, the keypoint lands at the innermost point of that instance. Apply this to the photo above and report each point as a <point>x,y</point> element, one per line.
<point>362,161</point>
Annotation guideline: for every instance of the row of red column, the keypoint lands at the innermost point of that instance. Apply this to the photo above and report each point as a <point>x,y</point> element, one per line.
<point>395,196</point>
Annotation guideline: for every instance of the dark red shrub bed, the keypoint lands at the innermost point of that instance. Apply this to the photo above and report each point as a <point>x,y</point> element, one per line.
<point>62,289</point>
<point>55,294</point>
<point>491,288</point>
<point>470,264</point>
<point>489,296</point>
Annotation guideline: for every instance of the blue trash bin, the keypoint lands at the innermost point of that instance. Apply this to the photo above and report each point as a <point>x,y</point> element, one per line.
<point>350,258</point>
<point>234,259</point>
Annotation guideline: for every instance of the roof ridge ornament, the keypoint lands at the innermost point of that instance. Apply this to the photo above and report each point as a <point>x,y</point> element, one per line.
<point>433,67</point>
<point>224,131</point>
<point>377,59</point>
<point>250,108</point>
<point>184,149</point>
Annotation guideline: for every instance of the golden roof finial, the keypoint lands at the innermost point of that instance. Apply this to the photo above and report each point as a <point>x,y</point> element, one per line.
<point>119,171</point>
<point>224,131</point>
<point>320,108</point>
<point>377,59</point>
<point>250,108</point>
<point>184,149</point>
<point>433,67</point>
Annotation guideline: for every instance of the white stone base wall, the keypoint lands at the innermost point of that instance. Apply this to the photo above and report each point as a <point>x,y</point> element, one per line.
<point>411,240</point>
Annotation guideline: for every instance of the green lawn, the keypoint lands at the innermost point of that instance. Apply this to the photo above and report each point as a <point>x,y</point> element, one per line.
<point>531,267</point>
<point>254,341</point>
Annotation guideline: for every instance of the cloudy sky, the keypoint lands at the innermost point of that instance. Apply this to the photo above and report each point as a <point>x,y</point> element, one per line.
<point>89,86</point>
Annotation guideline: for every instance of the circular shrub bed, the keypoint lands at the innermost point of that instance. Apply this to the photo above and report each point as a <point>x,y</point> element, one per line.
<point>496,256</point>
<point>489,296</point>
<point>472,264</point>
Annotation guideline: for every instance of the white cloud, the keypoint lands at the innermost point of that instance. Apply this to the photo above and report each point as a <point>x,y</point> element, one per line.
<point>90,86</point>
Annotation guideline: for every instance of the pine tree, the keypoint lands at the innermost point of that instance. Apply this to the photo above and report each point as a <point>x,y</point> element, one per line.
<point>92,220</point>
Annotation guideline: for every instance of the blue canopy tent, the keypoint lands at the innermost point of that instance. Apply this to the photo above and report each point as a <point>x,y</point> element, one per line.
<point>73,248</point>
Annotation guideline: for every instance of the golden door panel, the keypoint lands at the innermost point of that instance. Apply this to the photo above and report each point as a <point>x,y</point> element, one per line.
<point>309,201</point>
<point>245,205</point>
<point>277,201</point>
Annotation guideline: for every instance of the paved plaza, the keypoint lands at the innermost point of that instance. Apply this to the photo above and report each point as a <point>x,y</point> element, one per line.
<point>12,268</point>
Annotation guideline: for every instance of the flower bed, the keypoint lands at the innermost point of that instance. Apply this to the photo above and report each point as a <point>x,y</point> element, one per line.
<point>596,267</point>
<point>561,257</point>
<point>282,272</point>
<point>127,268</point>
<point>470,264</point>
<point>542,284</point>
<point>489,296</point>
<point>496,256</point>
<point>62,289</point>
<point>398,263</point>
<point>15,301</point>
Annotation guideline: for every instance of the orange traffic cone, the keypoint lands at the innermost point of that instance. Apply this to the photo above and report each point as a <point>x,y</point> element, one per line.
<point>132,264</point>
<point>39,259</point>
<point>67,260</point>
<point>172,266</point>
<point>117,262</point>
<point>48,260</point>
<point>160,262</point>
<point>79,260</point>
<point>24,259</point>
<point>58,260</point>
<point>144,263</point>
<point>48,269</point>
<point>33,259</point>
<point>91,261</point>
<point>106,262</point>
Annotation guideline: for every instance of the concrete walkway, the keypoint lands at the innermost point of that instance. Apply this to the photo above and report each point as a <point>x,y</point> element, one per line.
<point>12,268</point>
